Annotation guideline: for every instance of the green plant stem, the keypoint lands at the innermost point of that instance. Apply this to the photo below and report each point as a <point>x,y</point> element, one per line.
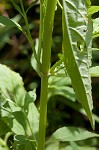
<point>46,55</point>
<point>28,34</point>
<point>43,112</point>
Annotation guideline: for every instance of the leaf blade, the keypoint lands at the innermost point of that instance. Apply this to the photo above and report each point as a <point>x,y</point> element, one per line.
<point>71,134</point>
<point>75,60</point>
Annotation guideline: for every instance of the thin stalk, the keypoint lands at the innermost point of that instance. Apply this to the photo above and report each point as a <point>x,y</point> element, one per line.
<point>46,55</point>
<point>43,112</point>
<point>40,32</point>
<point>28,34</point>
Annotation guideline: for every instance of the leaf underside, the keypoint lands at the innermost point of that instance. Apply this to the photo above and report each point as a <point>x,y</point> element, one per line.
<point>77,31</point>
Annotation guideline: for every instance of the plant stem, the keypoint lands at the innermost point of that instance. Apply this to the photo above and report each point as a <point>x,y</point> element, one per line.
<point>28,34</point>
<point>43,112</point>
<point>46,55</point>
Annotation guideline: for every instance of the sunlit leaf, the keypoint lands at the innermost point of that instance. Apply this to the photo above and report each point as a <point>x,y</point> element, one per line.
<point>94,71</point>
<point>18,110</point>
<point>3,145</point>
<point>71,134</point>
<point>95,27</point>
<point>77,31</point>
<point>93,9</point>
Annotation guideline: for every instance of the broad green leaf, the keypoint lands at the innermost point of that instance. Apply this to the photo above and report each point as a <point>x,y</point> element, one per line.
<point>60,86</point>
<point>67,146</point>
<point>71,134</point>
<point>9,23</point>
<point>93,9</point>
<point>22,120</point>
<point>14,118</point>
<point>74,146</point>
<point>77,30</point>
<point>53,146</point>
<point>94,71</point>
<point>18,110</point>
<point>11,85</point>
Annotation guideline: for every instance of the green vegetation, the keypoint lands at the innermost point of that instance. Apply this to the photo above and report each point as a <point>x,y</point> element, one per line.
<point>28,118</point>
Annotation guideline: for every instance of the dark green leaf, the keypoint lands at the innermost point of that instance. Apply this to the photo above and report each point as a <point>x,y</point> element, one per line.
<point>22,143</point>
<point>3,128</point>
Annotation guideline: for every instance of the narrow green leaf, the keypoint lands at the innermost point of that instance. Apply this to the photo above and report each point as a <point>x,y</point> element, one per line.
<point>17,7</point>
<point>93,9</point>
<point>71,134</point>
<point>31,110</point>
<point>94,71</point>
<point>77,29</point>
<point>9,23</point>
<point>95,49</point>
<point>31,5</point>
<point>3,145</point>
<point>36,66</point>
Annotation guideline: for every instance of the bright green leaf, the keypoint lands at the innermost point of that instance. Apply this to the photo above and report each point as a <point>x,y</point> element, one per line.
<point>71,134</point>
<point>31,110</point>
<point>77,30</point>
<point>11,85</point>
<point>95,28</point>
<point>93,9</point>
<point>3,145</point>
<point>94,71</point>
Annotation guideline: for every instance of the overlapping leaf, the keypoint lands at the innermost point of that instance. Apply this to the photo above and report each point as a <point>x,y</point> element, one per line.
<point>18,110</point>
<point>77,30</point>
<point>71,134</point>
